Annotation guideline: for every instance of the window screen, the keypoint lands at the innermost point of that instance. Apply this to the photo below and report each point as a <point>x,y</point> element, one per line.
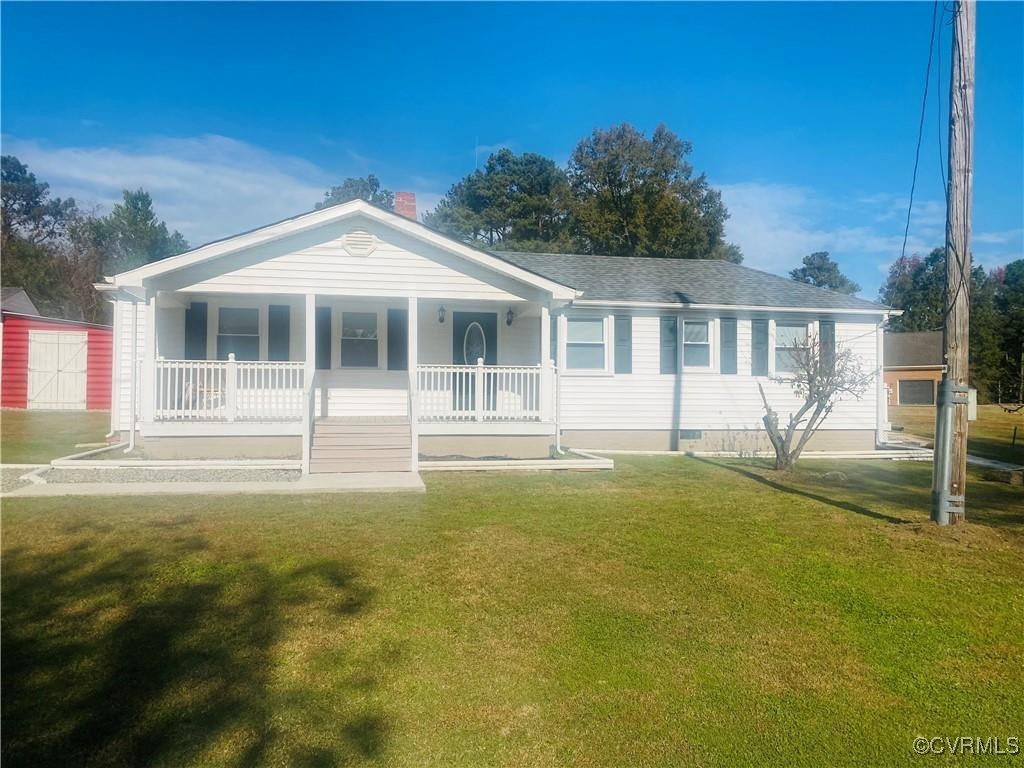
<point>359,339</point>
<point>238,332</point>
<point>584,349</point>
<point>696,344</point>
<point>790,340</point>
<point>917,392</point>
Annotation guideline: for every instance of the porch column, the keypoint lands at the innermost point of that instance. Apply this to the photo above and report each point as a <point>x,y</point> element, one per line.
<point>562,327</point>
<point>546,379</point>
<point>149,359</point>
<point>412,323</point>
<point>308,373</point>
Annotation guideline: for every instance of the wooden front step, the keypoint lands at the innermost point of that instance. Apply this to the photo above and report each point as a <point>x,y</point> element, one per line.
<point>358,445</point>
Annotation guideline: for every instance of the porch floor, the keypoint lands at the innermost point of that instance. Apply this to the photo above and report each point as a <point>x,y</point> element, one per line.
<point>370,419</point>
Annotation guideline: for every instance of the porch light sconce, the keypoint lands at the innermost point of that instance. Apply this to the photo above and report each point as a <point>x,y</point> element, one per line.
<point>509,316</point>
<point>440,314</point>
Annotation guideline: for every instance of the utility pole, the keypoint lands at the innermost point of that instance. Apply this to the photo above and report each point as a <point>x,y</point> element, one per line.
<point>949,477</point>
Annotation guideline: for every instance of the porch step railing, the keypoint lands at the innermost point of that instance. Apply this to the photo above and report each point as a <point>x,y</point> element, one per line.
<point>228,390</point>
<point>485,392</point>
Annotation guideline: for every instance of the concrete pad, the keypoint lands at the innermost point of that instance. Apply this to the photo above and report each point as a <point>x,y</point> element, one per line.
<point>348,482</point>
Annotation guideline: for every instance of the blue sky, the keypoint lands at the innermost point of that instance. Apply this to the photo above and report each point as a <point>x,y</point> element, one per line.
<point>232,115</point>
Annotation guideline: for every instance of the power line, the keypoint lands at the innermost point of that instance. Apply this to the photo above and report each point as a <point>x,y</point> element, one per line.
<point>920,127</point>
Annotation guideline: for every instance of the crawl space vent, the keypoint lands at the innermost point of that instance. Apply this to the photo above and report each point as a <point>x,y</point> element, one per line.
<point>359,242</point>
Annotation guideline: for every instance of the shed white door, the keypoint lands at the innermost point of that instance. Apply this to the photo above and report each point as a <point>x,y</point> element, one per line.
<point>57,369</point>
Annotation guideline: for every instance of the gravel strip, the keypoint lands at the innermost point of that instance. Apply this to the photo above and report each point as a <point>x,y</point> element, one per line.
<point>9,478</point>
<point>148,475</point>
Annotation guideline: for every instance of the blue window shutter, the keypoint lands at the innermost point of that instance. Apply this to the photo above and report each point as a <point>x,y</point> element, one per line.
<point>278,332</point>
<point>728,344</point>
<point>323,338</point>
<point>759,351</point>
<point>398,339</point>
<point>195,331</point>
<point>827,339</point>
<point>669,345</point>
<point>623,344</point>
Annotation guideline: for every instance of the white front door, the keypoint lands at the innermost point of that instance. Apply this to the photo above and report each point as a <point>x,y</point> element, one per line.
<point>57,369</point>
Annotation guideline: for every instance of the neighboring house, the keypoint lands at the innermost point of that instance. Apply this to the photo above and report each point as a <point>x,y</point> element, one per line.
<point>361,339</point>
<point>49,363</point>
<point>913,367</point>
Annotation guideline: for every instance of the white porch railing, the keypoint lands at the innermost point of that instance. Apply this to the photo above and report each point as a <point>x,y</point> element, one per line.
<point>485,392</point>
<point>228,390</point>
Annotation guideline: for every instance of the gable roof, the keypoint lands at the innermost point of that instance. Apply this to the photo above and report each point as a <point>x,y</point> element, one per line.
<point>682,282</point>
<point>915,349</point>
<point>17,301</point>
<point>319,218</point>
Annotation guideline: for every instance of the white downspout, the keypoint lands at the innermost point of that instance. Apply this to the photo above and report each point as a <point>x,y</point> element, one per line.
<point>135,366</point>
<point>115,356</point>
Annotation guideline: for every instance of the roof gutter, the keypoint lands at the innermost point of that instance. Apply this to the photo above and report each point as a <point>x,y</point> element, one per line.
<point>733,307</point>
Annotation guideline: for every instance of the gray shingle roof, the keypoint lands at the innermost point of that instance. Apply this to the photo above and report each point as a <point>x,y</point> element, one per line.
<point>16,300</point>
<point>682,281</point>
<point>913,349</point>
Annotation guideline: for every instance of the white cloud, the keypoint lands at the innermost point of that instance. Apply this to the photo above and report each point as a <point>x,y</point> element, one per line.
<point>776,225</point>
<point>206,187</point>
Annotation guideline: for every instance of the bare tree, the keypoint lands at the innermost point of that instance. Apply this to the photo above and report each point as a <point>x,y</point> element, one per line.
<point>819,377</point>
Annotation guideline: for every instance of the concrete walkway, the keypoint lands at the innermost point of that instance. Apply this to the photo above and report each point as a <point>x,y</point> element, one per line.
<point>349,482</point>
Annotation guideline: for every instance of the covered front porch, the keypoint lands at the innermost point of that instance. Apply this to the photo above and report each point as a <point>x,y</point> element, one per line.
<point>279,364</point>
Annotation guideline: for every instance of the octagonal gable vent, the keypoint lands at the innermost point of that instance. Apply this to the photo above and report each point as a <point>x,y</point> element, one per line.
<point>359,242</point>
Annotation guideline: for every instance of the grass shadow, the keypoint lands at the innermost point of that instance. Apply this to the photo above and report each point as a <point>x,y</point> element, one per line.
<point>115,657</point>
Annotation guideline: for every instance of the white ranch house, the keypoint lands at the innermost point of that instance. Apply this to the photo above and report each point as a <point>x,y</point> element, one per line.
<point>358,339</point>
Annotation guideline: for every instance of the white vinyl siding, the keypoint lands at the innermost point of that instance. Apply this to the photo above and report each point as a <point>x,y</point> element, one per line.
<point>707,400</point>
<point>327,268</point>
<point>123,357</point>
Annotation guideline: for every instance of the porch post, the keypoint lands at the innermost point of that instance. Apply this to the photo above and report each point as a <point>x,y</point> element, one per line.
<point>546,378</point>
<point>562,327</point>
<point>149,359</point>
<point>412,344</point>
<point>308,374</point>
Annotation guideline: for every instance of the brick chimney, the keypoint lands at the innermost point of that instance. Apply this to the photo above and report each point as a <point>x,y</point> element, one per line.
<point>405,204</point>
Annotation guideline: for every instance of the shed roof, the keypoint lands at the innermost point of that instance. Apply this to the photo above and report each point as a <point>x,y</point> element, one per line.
<point>913,349</point>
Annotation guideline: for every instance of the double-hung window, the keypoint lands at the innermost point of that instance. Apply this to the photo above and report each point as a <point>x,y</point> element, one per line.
<point>584,347</point>
<point>696,344</point>
<point>238,332</point>
<point>359,339</point>
<point>790,346</point>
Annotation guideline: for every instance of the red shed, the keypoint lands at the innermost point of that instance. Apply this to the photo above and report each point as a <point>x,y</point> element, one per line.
<point>49,363</point>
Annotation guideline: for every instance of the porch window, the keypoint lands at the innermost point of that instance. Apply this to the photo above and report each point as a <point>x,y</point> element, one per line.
<point>790,340</point>
<point>584,348</point>
<point>359,339</point>
<point>696,345</point>
<point>238,331</point>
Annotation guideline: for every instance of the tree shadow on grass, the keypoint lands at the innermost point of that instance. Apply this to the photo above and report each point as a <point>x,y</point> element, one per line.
<point>895,484</point>
<point>121,657</point>
<point>777,485</point>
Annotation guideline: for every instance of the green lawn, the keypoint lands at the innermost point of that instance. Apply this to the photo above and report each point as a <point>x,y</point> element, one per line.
<point>36,437</point>
<point>676,611</point>
<point>990,436</point>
